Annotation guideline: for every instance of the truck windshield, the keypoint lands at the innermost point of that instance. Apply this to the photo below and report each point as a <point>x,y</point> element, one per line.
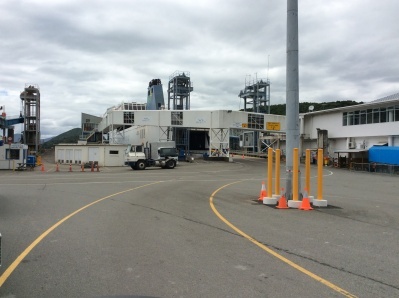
<point>136,149</point>
<point>163,152</point>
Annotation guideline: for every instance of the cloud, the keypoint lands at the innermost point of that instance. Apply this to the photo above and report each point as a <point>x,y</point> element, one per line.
<point>89,55</point>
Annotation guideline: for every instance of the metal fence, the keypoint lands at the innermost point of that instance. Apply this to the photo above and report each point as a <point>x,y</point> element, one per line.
<point>375,168</point>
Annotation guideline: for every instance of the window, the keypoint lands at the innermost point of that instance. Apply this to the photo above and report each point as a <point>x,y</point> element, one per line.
<point>376,115</point>
<point>89,126</point>
<point>12,153</point>
<point>256,121</point>
<point>128,117</point>
<point>369,116</point>
<point>113,152</point>
<point>350,118</point>
<point>363,117</point>
<point>396,113</point>
<point>390,114</point>
<point>383,115</point>
<point>356,118</point>
<point>177,118</point>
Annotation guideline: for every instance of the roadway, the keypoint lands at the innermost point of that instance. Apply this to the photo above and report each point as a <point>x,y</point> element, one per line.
<point>194,231</point>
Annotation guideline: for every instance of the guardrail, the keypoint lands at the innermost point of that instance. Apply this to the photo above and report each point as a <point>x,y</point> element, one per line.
<point>375,168</point>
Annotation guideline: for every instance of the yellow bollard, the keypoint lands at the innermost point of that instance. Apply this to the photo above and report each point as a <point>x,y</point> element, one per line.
<point>320,174</point>
<point>295,169</point>
<point>307,171</point>
<point>39,161</point>
<point>277,181</point>
<point>269,172</point>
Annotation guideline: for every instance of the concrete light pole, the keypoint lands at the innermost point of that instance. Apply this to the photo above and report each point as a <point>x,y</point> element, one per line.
<point>292,92</point>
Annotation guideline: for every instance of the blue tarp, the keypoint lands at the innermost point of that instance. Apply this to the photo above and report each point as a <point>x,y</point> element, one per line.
<point>384,154</point>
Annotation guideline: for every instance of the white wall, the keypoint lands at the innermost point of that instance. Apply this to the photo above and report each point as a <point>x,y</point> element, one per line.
<point>333,123</point>
<point>107,155</point>
<point>8,164</point>
<point>191,118</point>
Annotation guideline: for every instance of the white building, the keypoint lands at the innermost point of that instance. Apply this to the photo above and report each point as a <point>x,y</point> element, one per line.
<point>348,130</point>
<point>353,129</point>
<point>12,156</point>
<point>207,132</point>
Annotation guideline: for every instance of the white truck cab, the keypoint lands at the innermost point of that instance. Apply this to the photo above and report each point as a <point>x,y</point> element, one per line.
<point>157,154</point>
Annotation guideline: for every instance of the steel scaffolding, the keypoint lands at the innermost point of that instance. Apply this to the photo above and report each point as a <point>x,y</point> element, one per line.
<point>30,98</point>
<point>257,94</point>
<point>179,89</point>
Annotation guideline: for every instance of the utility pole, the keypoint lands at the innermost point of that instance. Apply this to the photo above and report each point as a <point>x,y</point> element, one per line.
<point>292,92</point>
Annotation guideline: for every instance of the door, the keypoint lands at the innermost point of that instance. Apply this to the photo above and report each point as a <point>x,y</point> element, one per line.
<point>94,154</point>
<point>68,155</point>
<point>78,156</point>
<point>60,155</point>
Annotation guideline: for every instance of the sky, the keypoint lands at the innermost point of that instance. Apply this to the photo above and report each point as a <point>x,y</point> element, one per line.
<point>87,56</point>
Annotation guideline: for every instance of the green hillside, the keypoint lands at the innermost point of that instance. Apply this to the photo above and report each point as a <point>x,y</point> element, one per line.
<point>70,137</point>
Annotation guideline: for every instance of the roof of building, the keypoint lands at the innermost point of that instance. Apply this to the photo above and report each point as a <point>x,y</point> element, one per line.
<point>391,99</point>
<point>388,98</point>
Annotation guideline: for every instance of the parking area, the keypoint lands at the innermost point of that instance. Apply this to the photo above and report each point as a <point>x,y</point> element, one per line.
<point>155,233</point>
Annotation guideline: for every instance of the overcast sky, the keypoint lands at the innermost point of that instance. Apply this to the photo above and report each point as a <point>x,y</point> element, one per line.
<point>89,55</point>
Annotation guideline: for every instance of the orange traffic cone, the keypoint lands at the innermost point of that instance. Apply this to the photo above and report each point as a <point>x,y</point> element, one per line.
<point>263,192</point>
<point>82,167</point>
<point>92,166</point>
<point>98,168</point>
<point>70,168</point>
<point>243,156</point>
<point>305,205</point>
<point>57,169</point>
<point>282,202</point>
<point>42,169</point>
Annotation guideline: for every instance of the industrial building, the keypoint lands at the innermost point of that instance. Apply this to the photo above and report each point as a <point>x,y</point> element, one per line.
<point>15,154</point>
<point>213,133</point>
<point>346,134</point>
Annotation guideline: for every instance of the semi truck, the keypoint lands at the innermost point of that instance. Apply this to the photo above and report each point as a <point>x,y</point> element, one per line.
<point>155,154</point>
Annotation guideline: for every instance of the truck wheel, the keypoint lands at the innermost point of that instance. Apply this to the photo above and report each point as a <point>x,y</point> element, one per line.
<point>140,165</point>
<point>170,164</point>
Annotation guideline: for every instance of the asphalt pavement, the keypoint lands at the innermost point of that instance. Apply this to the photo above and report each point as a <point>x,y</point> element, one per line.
<point>195,231</point>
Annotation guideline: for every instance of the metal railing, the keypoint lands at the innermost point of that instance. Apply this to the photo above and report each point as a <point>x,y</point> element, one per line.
<point>375,168</point>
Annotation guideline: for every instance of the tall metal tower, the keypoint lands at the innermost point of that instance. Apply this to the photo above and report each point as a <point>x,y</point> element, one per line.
<point>257,94</point>
<point>30,98</point>
<point>179,89</point>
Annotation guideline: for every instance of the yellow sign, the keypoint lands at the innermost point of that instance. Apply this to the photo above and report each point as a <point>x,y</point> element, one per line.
<point>245,125</point>
<point>273,126</point>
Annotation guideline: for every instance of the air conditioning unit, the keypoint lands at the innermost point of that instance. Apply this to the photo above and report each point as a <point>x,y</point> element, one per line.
<point>352,145</point>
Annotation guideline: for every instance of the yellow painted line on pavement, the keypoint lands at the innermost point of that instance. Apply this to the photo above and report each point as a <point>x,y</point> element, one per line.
<point>272,252</point>
<point>19,259</point>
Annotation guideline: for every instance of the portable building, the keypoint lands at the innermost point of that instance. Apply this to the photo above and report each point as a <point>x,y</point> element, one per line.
<point>12,155</point>
<point>106,155</point>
